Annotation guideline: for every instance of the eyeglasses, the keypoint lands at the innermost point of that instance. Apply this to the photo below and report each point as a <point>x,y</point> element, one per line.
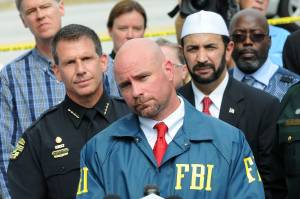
<point>241,37</point>
<point>177,65</point>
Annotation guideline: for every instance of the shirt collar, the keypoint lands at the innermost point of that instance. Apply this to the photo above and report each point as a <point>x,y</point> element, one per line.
<point>76,112</point>
<point>262,75</point>
<point>112,54</point>
<point>122,129</point>
<point>44,59</point>
<point>170,121</point>
<point>216,95</point>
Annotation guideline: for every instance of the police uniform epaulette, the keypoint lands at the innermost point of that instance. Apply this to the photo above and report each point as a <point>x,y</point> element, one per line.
<point>287,79</point>
<point>53,108</point>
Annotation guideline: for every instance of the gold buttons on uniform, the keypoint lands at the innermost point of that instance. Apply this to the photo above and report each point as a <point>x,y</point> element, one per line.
<point>289,138</point>
<point>58,140</point>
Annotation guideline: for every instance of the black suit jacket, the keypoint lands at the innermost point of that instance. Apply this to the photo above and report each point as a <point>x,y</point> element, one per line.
<point>255,113</point>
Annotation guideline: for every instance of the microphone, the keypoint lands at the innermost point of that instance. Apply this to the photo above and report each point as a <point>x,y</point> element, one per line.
<point>151,189</point>
<point>112,196</point>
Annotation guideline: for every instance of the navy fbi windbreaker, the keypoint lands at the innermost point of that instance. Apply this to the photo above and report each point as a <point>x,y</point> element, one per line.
<point>207,159</point>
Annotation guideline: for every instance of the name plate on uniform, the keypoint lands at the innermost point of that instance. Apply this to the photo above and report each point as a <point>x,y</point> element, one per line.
<point>60,153</point>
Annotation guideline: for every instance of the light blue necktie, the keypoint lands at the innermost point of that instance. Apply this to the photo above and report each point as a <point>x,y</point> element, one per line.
<point>249,80</point>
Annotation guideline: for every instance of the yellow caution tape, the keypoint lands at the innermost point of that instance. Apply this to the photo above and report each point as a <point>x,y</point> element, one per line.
<point>26,46</point>
<point>283,20</point>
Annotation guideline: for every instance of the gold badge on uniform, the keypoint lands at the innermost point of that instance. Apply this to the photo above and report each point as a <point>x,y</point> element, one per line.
<point>60,149</point>
<point>18,149</point>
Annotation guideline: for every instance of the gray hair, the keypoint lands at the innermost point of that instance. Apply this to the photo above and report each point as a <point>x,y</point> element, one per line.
<point>19,2</point>
<point>164,42</point>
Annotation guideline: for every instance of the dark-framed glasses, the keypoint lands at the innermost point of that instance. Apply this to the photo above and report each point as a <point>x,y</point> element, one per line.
<point>241,37</point>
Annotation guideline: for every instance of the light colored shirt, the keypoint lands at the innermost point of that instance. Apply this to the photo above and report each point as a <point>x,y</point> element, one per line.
<point>173,121</point>
<point>216,96</point>
<point>278,38</point>
<point>28,87</point>
<point>262,76</point>
<point>110,83</point>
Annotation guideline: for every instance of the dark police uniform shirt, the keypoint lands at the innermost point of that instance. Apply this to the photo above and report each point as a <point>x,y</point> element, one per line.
<point>289,139</point>
<point>45,162</point>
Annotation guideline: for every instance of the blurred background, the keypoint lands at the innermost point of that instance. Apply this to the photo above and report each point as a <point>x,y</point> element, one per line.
<point>91,13</point>
<point>15,39</point>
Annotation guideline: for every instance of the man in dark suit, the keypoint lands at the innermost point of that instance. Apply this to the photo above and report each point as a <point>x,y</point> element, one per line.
<point>206,50</point>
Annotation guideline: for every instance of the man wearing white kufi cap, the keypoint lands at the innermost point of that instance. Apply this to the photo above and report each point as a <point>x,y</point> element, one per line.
<point>206,47</point>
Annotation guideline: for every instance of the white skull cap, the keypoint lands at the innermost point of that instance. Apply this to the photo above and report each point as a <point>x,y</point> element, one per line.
<point>204,22</point>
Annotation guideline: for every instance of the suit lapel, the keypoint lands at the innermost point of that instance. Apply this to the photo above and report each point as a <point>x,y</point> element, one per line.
<point>187,92</point>
<point>233,104</point>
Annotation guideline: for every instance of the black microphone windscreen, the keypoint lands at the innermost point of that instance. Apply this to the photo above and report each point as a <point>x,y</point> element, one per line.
<point>149,189</point>
<point>112,196</point>
<point>174,197</point>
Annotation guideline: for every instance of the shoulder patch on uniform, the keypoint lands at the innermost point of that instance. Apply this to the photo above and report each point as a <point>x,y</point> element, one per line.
<point>18,149</point>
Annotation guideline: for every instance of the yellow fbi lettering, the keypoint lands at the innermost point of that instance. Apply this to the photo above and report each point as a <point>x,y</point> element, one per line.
<point>83,182</point>
<point>200,178</point>
<point>249,163</point>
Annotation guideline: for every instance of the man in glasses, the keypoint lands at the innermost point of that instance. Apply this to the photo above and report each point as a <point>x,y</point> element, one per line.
<point>206,48</point>
<point>249,31</point>
<point>278,34</point>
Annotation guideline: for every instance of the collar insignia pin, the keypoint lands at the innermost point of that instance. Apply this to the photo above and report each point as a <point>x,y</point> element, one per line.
<point>106,108</point>
<point>73,113</point>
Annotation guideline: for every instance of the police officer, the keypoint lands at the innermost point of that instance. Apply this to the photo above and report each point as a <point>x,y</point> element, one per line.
<point>289,137</point>
<point>45,162</point>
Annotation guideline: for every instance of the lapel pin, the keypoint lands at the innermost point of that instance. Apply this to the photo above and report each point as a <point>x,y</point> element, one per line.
<point>231,110</point>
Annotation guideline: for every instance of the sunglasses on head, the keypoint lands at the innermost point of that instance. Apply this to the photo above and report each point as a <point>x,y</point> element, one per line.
<point>241,37</point>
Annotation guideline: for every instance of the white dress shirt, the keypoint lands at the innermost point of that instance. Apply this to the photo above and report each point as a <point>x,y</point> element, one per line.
<point>216,97</point>
<point>173,121</point>
<point>262,76</point>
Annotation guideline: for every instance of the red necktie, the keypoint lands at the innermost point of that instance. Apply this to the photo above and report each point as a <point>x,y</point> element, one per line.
<point>206,104</point>
<point>161,145</point>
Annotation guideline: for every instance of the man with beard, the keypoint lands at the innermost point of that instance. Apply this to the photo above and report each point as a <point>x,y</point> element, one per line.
<point>250,32</point>
<point>206,48</point>
<point>166,141</point>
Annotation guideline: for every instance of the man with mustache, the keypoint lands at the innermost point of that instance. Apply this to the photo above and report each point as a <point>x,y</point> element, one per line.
<point>250,32</point>
<point>278,34</point>
<point>166,141</point>
<point>206,48</point>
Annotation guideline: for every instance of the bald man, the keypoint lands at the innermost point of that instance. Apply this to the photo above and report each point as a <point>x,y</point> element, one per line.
<point>250,32</point>
<point>165,142</point>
